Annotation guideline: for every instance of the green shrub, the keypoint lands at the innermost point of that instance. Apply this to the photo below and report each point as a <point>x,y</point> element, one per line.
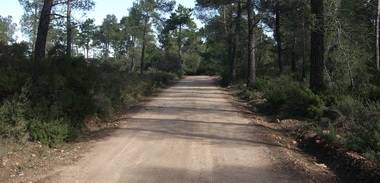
<point>13,117</point>
<point>292,98</point>
<point>161,79</point>
<point>351,108</point>
<point>364,135</point>
<point>362,125</point>
<point>247,93</point>
<point>104,106</point>
<point>209,66</point>
<point>262,84</point>
<point>52,132</point>
<point>225,79</point>
<point>64,91</point>
<point>191,62</point>
<point>168,63</point>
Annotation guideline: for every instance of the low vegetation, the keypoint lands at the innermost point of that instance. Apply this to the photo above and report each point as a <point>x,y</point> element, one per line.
<point>50,107</point>
<point>346,120</point>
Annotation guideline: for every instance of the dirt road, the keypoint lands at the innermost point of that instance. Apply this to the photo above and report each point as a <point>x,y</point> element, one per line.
<point>190,132</point>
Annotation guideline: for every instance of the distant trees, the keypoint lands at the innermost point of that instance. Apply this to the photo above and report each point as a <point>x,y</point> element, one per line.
<point>81,5</point>
<point>7,29</point>
<point>325,42</point>
<point>131,29</point>
<point>40,13</point>
<point>245,38</point>
<point>180,18</point>
<point>150,11</point>
<point>230,22</point>
<point>30,18</point>
<point>106,35</point>
<point>86,35</point>
<point>130,40</point>
<point>53,30</point>
<point>238,32</point>
<point>179,36</point>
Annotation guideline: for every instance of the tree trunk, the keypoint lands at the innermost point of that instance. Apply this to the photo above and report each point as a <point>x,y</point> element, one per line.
<point>179,42</point>
<point>304,45</point>
<point>87,50</point>
<point>317,47</point>
<point>107,49</point>
<point>43,29</point>
<point>236,38</point>
<point>229,42</point>
<point>132,68</point>
<point>251,81</point>
<point>224,19</point>
<point>35,26</point>
<point>378,36</point>
<point>143,45</point>
<point>293,56</point>
<point>278,36</point>
<point>69,30</point>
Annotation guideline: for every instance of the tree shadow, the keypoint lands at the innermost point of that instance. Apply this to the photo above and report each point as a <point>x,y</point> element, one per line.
<point>195,109</point>
<point>211,133</point>
<point>218,174</point>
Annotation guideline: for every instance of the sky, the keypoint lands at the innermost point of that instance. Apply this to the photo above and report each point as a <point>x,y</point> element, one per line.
<point>102,8</point>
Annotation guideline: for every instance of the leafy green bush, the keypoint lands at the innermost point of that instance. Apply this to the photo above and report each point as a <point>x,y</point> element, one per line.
<point>246,93</point>
<point>104,106</point>
<point>63,90</point>
<point>208,66</point>
<point>364,135</point>
<point>292,98</point>
<point>51,109</point>
<point>52,132</point>
<point>362,125</point>
<point>191,62</point>
<point>13,122</point>
<point>160,78</point>
<point>351,108</point>
<point>168,63</point>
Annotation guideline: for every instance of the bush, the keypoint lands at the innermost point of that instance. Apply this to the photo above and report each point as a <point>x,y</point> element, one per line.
<point>160,78</point>
<point>191,62</point>
<point>64,91</point>
<point>52,132</point>
<point>292,98</point>
<point>361,125</point>
<point>13,123</point>
<point>104,106</point>
<point>349,107</point>
<point>168,63</point>
<point>364,135</point>
<point>13,117</point>
<point>209,67</point>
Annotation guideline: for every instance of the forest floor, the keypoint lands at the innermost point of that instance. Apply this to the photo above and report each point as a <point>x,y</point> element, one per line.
<point>193,131</point>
